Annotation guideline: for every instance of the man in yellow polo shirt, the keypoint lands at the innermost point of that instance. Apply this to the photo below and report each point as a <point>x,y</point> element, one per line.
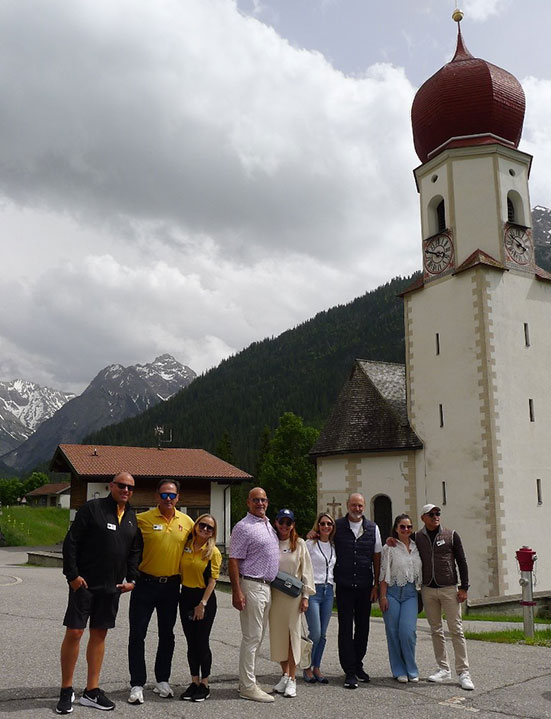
<point>164,531</point>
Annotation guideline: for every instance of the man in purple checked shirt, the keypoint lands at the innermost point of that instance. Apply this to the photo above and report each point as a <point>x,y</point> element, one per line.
<point>253,564</point>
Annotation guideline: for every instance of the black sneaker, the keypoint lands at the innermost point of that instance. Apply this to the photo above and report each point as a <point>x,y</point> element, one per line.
<point>362,676</point>
<point>350,682</point>
<point>202,693</point>
<point>66,699</point>
<point>96,698</point>
<point>189,693</point>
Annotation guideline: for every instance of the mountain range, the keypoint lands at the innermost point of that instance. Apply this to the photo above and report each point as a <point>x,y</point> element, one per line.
<point>24,406</point>
<point>115,393</point>
<point>301,371</point>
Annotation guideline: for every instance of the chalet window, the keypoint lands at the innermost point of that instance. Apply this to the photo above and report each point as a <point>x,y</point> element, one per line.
<point>441,413</point>
<point>444,494</point>
<point>526,335</point>
<point>538,490</point>
<point>531,410</point>
<point>438,343</point>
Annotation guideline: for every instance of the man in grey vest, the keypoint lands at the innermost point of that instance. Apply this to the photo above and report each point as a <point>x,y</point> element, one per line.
<point>358,549</point>
<point>442,555</point>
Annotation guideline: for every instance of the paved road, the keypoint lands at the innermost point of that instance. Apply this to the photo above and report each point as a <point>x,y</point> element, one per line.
<point>511,681</point>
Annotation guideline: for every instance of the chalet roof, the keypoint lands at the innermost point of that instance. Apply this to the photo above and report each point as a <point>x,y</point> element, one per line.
<point>89,460</point>
<point>47,489</point>
<point>370,414</point>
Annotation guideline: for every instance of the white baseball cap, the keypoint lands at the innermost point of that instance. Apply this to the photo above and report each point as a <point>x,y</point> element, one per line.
<point>428,507</point>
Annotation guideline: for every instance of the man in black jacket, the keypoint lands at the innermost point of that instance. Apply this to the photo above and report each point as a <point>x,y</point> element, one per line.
<point>358,549</point>
<point>101,553</point>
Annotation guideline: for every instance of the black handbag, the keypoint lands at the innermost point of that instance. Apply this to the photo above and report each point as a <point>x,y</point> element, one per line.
<point>288,584</point>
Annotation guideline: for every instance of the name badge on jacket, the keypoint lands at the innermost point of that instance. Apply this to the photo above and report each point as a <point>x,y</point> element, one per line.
<point>440,542</point>
<point>158,527</point>
<point>111,526</point>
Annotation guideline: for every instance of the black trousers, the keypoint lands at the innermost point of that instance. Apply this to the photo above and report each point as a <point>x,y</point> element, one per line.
<point>197,631</point>
<point>353,610</point>
<point>146,597</point>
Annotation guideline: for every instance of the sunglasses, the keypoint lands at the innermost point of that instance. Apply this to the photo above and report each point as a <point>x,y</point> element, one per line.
<point>122,486</point>
<point>404,527</point>
<point>433,514</point>
<point>259,500</point>
<point>206,527</point>
<point>286,522</point>
<point>167,495</point>
<point>326,524</point>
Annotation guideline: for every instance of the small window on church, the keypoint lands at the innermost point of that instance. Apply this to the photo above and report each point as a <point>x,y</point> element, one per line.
<point>538,490</point>
<point>444,494</point>
<point>531,410</point>
<point>510,210</point>
<point>441,413</point>
<point>526,335</point>
<point>438,343</point>
<point>441,216</point>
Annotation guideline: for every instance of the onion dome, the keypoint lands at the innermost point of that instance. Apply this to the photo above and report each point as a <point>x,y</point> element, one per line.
<point>467,102</point>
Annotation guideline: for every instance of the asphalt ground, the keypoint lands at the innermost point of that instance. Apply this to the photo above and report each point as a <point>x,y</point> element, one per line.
<point>511,680</point>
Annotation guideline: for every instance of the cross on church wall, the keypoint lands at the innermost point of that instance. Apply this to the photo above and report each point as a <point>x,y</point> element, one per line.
<point>332,508</point>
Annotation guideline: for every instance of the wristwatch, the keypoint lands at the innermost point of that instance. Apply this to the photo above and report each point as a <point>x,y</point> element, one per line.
<point>203,602</point>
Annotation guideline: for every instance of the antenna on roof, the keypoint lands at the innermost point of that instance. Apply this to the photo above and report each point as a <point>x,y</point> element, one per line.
<point>159,433</point>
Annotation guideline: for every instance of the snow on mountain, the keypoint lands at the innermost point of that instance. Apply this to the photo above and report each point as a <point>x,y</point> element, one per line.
<point>115,393</point>
<point>23,407</point>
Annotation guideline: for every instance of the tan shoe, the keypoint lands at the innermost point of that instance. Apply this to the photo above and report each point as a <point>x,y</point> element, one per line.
<point>255,694</point>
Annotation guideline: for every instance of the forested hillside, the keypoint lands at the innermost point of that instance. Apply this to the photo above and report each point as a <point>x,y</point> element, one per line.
<point>300,371</point>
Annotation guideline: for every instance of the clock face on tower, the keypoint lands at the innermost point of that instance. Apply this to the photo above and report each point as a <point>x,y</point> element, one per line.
<point>518,245</point>
<point>438,254</point>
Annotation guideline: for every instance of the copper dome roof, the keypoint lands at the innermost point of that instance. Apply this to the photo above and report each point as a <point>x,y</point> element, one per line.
<point>467,102</point>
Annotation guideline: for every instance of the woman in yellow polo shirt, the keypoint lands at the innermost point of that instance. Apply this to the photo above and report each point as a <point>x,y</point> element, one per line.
<point>199,570</point>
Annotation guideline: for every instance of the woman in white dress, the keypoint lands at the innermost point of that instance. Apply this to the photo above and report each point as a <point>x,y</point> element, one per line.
<point>285,611</point>
<point>399,579</point>
<point>318,614</point>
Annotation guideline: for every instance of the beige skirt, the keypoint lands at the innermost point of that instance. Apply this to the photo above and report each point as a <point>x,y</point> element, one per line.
<point>284,626</point>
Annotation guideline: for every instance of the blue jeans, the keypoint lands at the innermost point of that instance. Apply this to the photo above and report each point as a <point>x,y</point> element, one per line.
<point>401,635</point>
<point>318,615</point>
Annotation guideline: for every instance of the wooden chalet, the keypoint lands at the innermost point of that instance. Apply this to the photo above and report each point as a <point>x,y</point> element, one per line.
<point>205,480</point>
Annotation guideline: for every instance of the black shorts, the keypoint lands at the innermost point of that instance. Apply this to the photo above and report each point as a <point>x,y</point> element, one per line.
<point>98,606</point>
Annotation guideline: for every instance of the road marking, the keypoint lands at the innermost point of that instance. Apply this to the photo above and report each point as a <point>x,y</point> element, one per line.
<point>6,580</point>
<point>457,703</point>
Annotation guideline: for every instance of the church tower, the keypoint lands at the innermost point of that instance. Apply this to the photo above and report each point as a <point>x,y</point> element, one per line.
<point>478,324</point>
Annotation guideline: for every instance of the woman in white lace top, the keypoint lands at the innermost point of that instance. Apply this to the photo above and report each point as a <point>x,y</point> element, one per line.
<point>399,579</point>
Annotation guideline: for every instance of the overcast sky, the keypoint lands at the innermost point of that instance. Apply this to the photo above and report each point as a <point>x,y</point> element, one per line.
<point>188,176</point>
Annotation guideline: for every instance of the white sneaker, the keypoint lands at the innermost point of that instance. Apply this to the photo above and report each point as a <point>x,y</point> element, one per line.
<point>163,690</point>
<point>281,686</point>
<point>415,680</point>
<point>402,679</point>
<point>439,676</point>
<point>136,695</point>
<point>465,681</point>
<point>291,688</point>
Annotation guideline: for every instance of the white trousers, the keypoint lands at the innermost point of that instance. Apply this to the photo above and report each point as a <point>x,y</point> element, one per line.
<point>254,620</point>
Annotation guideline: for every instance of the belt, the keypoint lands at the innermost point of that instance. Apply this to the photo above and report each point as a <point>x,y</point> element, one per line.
<point>162,580</point>
<point>255,579</point>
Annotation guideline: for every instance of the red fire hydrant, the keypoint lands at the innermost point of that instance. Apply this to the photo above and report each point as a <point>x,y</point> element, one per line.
<point>526,558</point>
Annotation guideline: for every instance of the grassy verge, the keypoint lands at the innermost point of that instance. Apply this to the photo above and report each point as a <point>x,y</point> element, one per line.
<point>32,526</point>
<point>513,636</point>
<point>500,618</point>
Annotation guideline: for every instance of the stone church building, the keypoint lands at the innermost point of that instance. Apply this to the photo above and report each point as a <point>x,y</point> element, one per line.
<point>465,424</point>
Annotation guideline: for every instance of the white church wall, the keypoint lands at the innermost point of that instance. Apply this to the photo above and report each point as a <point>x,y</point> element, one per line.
<point>368,474</point>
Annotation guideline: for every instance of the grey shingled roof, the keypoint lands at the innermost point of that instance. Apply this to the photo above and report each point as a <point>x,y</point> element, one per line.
<point>370,414</point>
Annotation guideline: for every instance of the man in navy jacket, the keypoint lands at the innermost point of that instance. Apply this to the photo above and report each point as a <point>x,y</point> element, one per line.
<point>358,549</point>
